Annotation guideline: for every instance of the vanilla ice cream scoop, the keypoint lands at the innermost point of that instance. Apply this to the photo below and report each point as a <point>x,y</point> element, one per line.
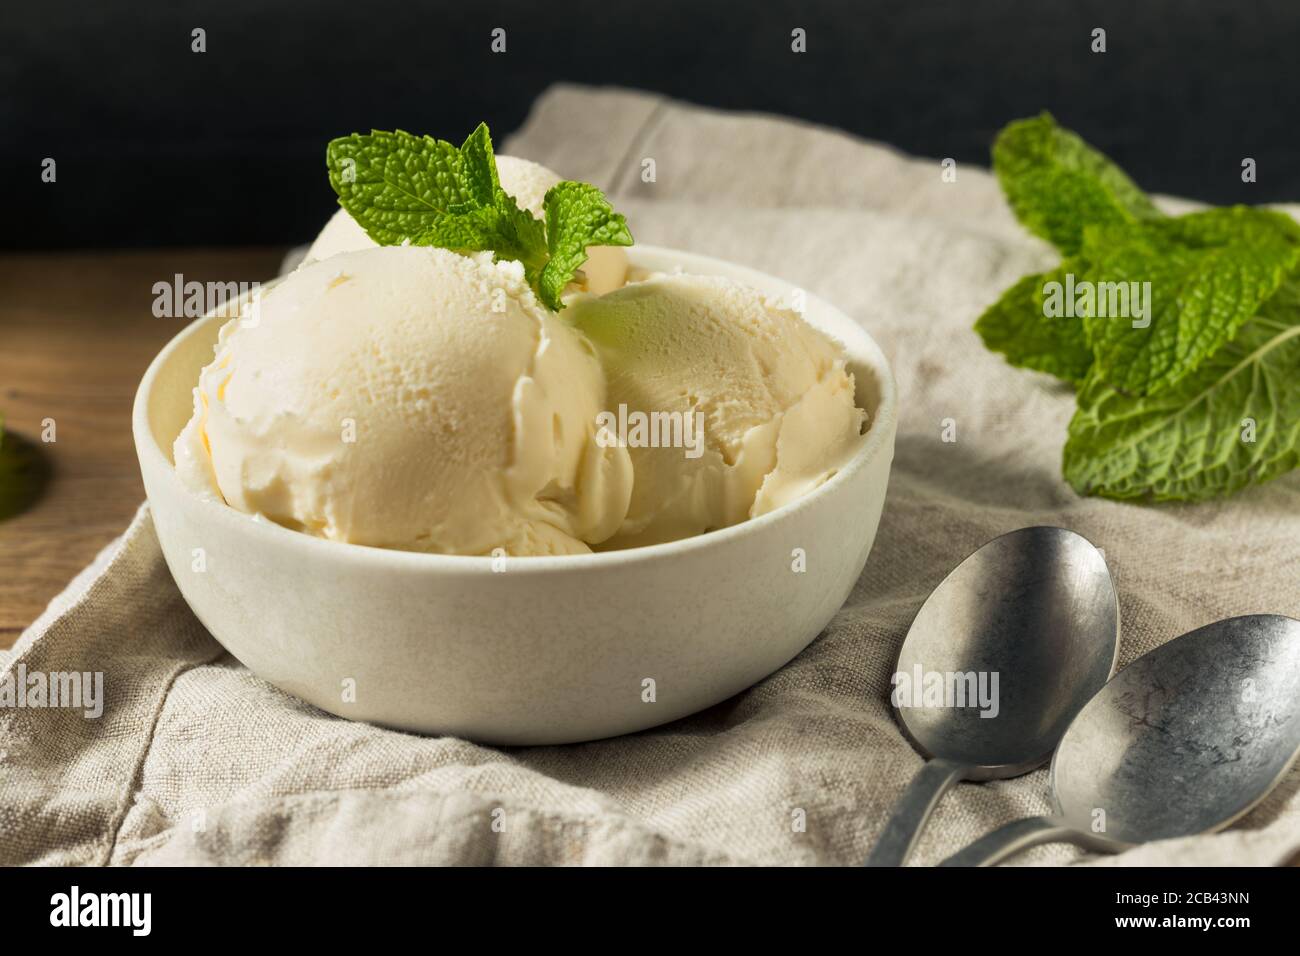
<point>605,268</point>
<point>409,398</point>
<point>730,405</point>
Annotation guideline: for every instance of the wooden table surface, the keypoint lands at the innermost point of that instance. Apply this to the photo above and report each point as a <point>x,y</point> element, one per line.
<point>77,331</point>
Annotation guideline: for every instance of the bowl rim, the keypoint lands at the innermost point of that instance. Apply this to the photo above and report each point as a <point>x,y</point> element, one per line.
<point>878,441</point>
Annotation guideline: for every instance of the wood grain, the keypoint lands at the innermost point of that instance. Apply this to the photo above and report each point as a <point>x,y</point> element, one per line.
<point>76,333</point>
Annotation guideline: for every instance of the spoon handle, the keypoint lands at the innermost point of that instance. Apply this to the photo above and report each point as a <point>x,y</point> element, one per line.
<point>913,809</point>
<point>1007,841</point>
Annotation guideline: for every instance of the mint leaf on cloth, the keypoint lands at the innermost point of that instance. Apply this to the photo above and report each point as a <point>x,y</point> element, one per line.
<point>1209,272</point>
<point>1057,184</point>
<point>577,216</point>
<point>1234,422</point>
<point>1017,326</point>
<point>1186,342</point>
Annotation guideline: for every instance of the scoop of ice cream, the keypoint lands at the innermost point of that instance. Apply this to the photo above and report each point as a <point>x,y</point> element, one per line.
<point>341,234</point>
<point>409,398</point>
<point>730,405</point>
<point>605,268</point>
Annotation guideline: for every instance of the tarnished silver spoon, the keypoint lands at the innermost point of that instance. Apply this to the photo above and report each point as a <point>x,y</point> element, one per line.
<point>1033,616</point>
<point>1185,740</point>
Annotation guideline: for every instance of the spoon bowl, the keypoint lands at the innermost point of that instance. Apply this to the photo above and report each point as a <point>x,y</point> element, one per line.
<point>1027,626</point>
<point>1185,740</point>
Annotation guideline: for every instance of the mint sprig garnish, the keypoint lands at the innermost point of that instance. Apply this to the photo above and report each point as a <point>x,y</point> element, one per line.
<point>577,216</point>
<point>396,185</point>
<point>417,189</point>
<point>1201,396</point>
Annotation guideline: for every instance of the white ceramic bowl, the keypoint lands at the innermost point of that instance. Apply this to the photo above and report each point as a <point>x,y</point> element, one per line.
<point>550,649</point>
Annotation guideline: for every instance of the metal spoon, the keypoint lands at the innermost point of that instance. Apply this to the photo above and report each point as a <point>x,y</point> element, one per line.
<point>1185,740</point>
<point>1035,611</point>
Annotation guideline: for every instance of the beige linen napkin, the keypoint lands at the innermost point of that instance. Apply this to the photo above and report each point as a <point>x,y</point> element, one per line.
<point>196,761</point>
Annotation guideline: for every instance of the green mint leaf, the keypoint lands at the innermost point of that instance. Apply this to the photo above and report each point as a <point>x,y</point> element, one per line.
<point>1216,227</point>
<point>487,219</point>
<point>479,167</point>
<point>577,216</point>
<point>1209,272</point>
<point>1017,327</point>
<point>24,473</point>
<point>1057,184</point>
<point>396,185</point>
<point>1235,421</point>
<point>471,231</point>
<point>1202,397</point>
<point>404,188</point>
<point>523,237</point>
<point>502,228</point>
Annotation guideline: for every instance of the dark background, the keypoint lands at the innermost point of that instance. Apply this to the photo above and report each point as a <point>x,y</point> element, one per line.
<point>157,145</point>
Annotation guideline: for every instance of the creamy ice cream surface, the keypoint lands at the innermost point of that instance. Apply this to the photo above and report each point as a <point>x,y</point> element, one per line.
<point>605,268</point>
<point>341,234</point>
<point>772,394</point>
<point>409,398</point>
